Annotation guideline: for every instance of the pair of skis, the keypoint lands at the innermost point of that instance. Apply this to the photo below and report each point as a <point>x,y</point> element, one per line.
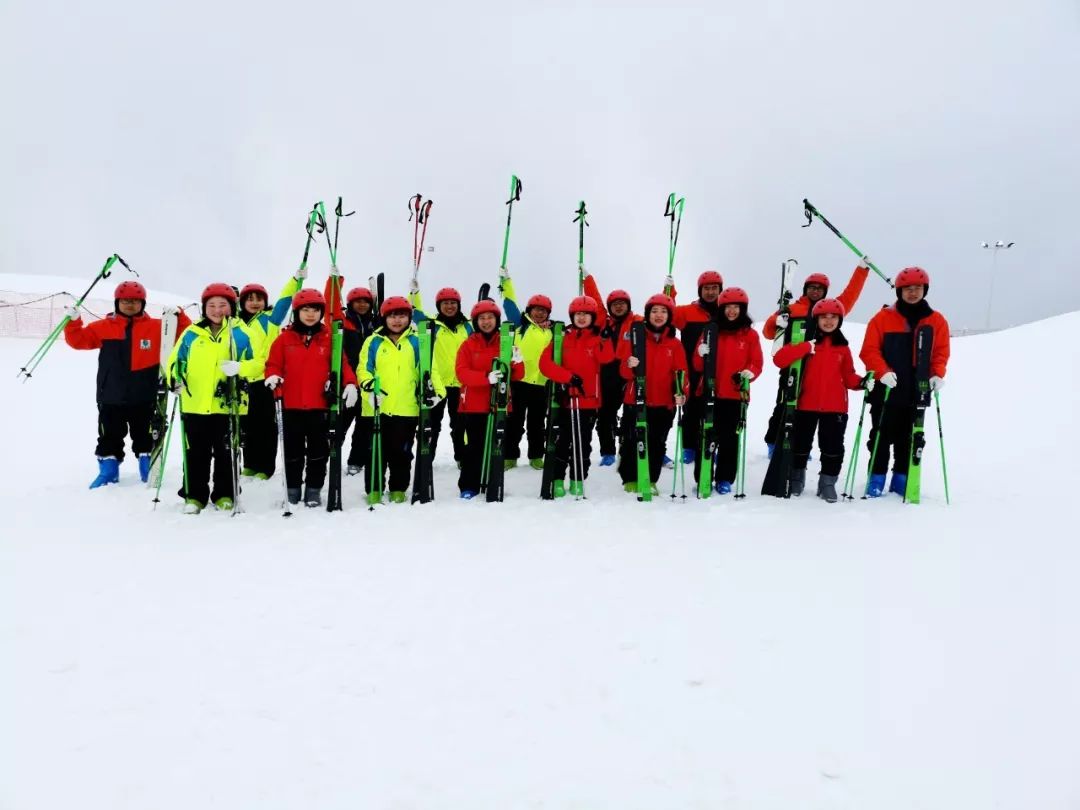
<point>778,475</point>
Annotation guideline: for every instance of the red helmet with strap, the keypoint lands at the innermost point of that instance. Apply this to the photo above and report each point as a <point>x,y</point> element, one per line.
<point>395,303</point>
<point>539,301</point>
<point>912,277</point>
<point>356,293</point>
<point>485,306</point>
<point>709,277</point>
<point>248,289</point>
<point>618,295</point>
<point>733,295</point>
<point>660,300</point>
<point>584,303</point>
<point>308,297</point>
<point>828,306</point>
<point>218,289</point>
<point>447,294</point>
<point>130,289</point>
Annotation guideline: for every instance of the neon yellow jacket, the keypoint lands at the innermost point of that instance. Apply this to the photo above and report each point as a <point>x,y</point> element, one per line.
<point>446,342</point>
<point>398,368</point>
<point>529,337</point>
<point>196,362</point>
<point>263,328</point>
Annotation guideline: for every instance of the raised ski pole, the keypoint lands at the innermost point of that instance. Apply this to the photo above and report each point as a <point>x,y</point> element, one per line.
<point>810,211</point>
<point>582,225</point>
<point>941,443</point>
<point>165,450</point>
<point>30,365</point>
<point>877,441</point>
<point>849,479</point>
<point>419,210</point>
<point>673,211</point>
<point>515,196</point>
<point>740,469</point>
<point>333,499</point>
<point>314,225</point>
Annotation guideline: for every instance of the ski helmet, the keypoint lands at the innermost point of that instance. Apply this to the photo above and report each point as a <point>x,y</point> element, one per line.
<point>816,278</point>
<point>733,295</point>
<point>248,289</point>
<point>130,289</point>
<point>219,290</point>
<point>395,303</point>
<point>488,306</point>
<point>911,277</point>
<point>539,301</point>
<point>584,303</point>
<point>829,306</point>
<point>618,295</point>
<point>709,277</point>
<point>661,300</point>
<point>357,293</point>
<point>447,294</point>
<point>308,297</point>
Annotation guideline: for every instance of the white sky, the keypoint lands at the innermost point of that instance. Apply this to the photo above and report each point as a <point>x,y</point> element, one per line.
<point>193,138</point>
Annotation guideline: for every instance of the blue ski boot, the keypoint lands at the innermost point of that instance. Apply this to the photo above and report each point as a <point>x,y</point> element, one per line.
<point>723,487</point>
<point>875,486</point>
<point>467,495</point>
<point>144,466</point>
<point>607,461</point>
<point>668,463</point>
<point>688,456</point>
<point>898,484</point>
<point>108,472</point>
<point>770,448</point>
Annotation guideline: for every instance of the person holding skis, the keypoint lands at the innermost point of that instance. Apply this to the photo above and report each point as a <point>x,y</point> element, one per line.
<point>474,369</point>
<point>358,324</point>
<point>202,368</point>
<point>584,355</point>
<point>298,370</point>
<point>815,288</point>
<point>737,358</point>
<point>828,373</point>
<point>451,330</point>
<point>889,350</point>
<point>390,375</point>
<point>129,358</point>
<point>664,358</point>
<point>530,393</point>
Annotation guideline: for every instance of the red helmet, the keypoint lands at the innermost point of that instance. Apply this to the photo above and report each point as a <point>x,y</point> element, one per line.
<point>130,289</point>
<point>539,301</point>
<point>816,278</point>
<point>447,294</point>
<point>660,300</point>
<point>254,288</point>
<point>395,303</point>
<point>487,305</point>
<point>828,306</point>
<point>584,304</point>
<point>733,295</point>
<point>357,293</point>
<point>911,277</point>
<point>709,277</point>
<point>618,295</point>
<point>219,289</point>
<point>308,297</point>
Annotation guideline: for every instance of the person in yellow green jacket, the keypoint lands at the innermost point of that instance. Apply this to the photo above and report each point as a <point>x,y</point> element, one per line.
<point>452,328</point>
<point>390,357</point>
<point>206,355</point>
<point>258,428</point>
<point>532,336</point>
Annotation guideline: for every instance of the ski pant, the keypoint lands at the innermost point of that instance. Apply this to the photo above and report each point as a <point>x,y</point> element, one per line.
<point>692,412</point>
<point>830,429</point>
<point>528,409</point>
<point>776,420</point>
<point>457,429</point>
<point>395,438</point>
<point>306,440</point>
<point>659,421</point>
<point>607,418</point>
<point>895,426</point>
<point>360,448</point>
<point>114,424</point>
<point>725,430</point>
<point>566,453</point>
<point>472,463</point>
<point>206,440</point>
<point>258,430</point>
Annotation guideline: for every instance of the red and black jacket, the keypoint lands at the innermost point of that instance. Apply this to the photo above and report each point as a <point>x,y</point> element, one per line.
<point>584,353</point>
<point>303,361</point>
<point>889,345</point>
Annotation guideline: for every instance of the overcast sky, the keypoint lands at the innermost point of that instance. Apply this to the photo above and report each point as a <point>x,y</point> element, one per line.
<point>193,138</point>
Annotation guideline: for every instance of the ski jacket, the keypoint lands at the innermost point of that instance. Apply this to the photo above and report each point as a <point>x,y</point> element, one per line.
<point>303,362</point>
<point>828,373</point>
<point>446,341</point>
<point>613,332</point>
<point>262,329</point>
<point>800,307</point>
<point>397,366</point>
<point>130,354</point>
<point>196,361</point>
<point>664,357</point>
<point>474,361</point>
<point>889,345</point>
<point>531,338</point>
<point>735,351</point>
<point>584,352</point>
<point>355,330</point>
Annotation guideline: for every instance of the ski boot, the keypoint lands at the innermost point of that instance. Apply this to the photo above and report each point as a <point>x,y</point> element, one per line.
<point>397,497</point>
<point>224,504</point>
<point>826,488</point>
<point>655,489</point>
<point>898,484</point>
<point>798,481</point>
<point>536,463</point>
<point>144,467</point>
<point>688,456</point>
<point>467,495</point>
<point>247,472</point>
<point>630,487</point>
<point>293,495</point>
<point>261,476</point>
<point>723,487</point>
<point>509,463</point>
<point>353,469</point>
<point>875,486</point>
<point>193,507</point>
<point>607,461</point>
<point>558,488</point>
<point>312,497</point>
<point>668,463</point>
<point>374,498</point>
<point>770,448</point>
<point>108,472</point>
<point>577,488</point>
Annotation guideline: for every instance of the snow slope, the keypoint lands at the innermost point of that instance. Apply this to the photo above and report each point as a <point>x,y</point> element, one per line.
<point>606,653</point>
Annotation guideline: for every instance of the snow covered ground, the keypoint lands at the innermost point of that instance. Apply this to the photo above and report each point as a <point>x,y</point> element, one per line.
<point>606,653</point>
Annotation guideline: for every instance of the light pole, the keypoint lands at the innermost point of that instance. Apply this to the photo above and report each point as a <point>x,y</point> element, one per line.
<point>998,245</point>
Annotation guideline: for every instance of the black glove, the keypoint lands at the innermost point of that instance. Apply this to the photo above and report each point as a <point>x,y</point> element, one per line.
<point>606,333</point>
<point>810,331</point>
<point>577,382</point>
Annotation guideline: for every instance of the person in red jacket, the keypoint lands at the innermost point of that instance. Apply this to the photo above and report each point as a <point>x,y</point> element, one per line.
<point>129,344</point>
<point>828,373</point>
<point>738,357</point>
<point>664,358</point>
<point>888,350</point>
<point>299,362</point>
<point>473,365</point>
<point>584,353</point>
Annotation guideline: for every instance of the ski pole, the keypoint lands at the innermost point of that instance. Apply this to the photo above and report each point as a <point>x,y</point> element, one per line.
<point>673,211</point>
<point>679,466</point>
<point>582,225</point>
<point>39,355</point>
<point>849,479</point>
<point>165,451</point>
<point>375,474</point>
<point>515,196</point>
<point>877,441</point>
<point>740,470</point>
<point>941,443</point>
<point>577,457</point>
<point>810,212</point>
<point>419,210</point>
<point>285,510</point>
<point>234,422</point>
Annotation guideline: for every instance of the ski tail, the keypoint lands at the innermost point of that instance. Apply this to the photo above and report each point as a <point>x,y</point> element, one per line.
<point>924,345</point>
<point>159,422</point>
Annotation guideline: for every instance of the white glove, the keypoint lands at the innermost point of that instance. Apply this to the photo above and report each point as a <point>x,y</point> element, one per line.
<point>72,312</point>
<point>888,379</point>
<point>781,322</point>
<point>350,395</point>
<point>669,281</point>
<point>375,400</point>
<point>864,262</point>
<point>301,273</point>
<point>936,383</point>
<point>414,286</point>
<point>515,356</point>
<point>503,274</point>
<point>230,368</point>
<point>702,349</point>
<point>746,374</point>
<point>494,377</point>
<point>631,362</point>
<point>869,384</point>
<point>273,381</point>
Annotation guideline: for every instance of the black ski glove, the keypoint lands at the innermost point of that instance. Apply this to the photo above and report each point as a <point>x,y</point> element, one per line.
<point>577,382</point>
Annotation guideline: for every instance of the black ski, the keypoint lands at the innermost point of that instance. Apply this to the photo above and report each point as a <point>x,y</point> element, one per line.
<point>423,476</point>
<point>554,426</point>
<point>778,475</point>
<point>924,345</point>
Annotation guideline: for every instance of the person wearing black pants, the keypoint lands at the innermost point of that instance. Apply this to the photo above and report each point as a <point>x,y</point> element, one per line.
<point>472,462</point>
<point>612,390</point>
<point>830,429</point>
<point>526,419</point>
<point>725,427</point>
<point>360,446</point>
<point>566,454</point>
<point>206,440</point>
<point>306,437</point>
<point>659,419</point>
<point>258,429</point>
<point>894,421</point>
<point>396,434</point>
<point>457,428</point>
<point>115,422</point>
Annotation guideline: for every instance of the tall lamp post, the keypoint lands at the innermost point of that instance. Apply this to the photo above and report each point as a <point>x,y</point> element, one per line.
<point>996,246</point>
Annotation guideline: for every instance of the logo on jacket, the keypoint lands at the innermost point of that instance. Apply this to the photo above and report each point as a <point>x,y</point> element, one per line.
<point>144,344</point>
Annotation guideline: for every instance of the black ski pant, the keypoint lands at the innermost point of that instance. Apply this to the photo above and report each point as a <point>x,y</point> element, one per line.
<point>457,429</point>
<point>114,424</point>
<point>472,462</point>
<point>776,420</point>
<point>206,441</point>
<point>830,429</point>
<point>566,450</point>
<point>692,412</point>
<point>659,421</point>
<point>612,392</point>
<point>360,448</point>
<point>395,440</point>
<point>894,424</point>
<point>528,404</point>
<point>258,430</point>
<point>725,430</point>
<point>307,443</point>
